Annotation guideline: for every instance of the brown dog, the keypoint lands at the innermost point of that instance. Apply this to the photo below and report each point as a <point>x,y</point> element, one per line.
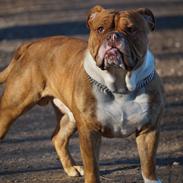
<point>106,87</point>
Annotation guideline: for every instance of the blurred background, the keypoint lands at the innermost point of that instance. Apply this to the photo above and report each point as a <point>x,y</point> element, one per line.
<point>27,155</point>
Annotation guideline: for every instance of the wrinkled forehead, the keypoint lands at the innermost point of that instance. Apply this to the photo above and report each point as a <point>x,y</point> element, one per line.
<point>129,18</point>
<point>104,18</point>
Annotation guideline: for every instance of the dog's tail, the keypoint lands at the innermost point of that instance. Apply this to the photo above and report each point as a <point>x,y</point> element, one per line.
<point>18,54</point>
<point>4,74</point>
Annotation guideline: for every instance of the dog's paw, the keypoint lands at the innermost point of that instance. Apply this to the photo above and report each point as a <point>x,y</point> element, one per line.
<point>80,170</point>
<point>75,171</point>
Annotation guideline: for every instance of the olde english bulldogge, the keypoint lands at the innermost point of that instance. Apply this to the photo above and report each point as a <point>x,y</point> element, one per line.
<point>107,86</point>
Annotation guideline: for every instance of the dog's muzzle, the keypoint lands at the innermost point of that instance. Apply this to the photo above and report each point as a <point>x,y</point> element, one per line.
<point>115,52</point>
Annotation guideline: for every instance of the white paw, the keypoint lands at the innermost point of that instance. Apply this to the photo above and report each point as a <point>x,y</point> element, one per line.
<point>152,181</point>
<point>75,171</point>
<point>80,170</point>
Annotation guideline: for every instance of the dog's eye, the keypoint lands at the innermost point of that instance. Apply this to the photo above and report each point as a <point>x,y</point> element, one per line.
<point>131,30</point>
<point>100,29</point>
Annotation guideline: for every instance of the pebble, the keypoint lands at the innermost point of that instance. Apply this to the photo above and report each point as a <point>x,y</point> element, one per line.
<point>177,45</point>
<point>175,163</point>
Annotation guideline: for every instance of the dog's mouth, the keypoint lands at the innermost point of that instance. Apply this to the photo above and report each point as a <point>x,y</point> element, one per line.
<point>115,54</point>
<point>113,57</point>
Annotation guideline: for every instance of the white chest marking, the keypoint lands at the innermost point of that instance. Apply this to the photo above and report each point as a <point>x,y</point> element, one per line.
<point>123,115</point>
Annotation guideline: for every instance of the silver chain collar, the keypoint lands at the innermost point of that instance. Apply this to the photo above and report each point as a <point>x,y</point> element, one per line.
<point>105,90</point>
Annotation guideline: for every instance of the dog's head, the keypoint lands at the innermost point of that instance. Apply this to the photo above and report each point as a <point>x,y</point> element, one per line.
<point>119,38</point>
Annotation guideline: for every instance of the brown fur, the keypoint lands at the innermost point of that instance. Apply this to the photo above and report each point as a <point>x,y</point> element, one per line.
<point>53,68</point>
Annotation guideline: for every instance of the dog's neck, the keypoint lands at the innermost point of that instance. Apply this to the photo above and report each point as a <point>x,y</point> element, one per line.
<point>137,78</point>
<point>134,79</point>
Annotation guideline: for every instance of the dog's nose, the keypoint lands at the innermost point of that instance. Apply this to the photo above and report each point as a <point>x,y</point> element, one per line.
<point>114,36</point>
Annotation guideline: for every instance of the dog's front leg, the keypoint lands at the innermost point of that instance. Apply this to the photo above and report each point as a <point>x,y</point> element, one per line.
<point>90,145</point>
<point>147,142</point>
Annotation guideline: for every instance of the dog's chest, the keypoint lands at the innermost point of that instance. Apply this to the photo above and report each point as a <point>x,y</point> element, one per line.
<point>121,115</point>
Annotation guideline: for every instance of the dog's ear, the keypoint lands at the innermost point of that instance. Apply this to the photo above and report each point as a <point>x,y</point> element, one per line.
<point>148,16</point>
<point>92,13</point>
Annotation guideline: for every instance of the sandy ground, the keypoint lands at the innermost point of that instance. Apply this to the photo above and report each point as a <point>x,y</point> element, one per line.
<point>27,155</point>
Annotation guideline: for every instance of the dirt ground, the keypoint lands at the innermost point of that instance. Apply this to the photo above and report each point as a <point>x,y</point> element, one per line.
<point>27,155</point>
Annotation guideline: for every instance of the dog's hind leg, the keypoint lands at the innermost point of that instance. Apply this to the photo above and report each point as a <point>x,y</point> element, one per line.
<point>18,96</point>
<point>10,110</point>
<point>66,126</point>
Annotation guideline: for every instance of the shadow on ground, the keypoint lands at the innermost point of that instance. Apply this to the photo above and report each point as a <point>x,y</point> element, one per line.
<point>72,28</point>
